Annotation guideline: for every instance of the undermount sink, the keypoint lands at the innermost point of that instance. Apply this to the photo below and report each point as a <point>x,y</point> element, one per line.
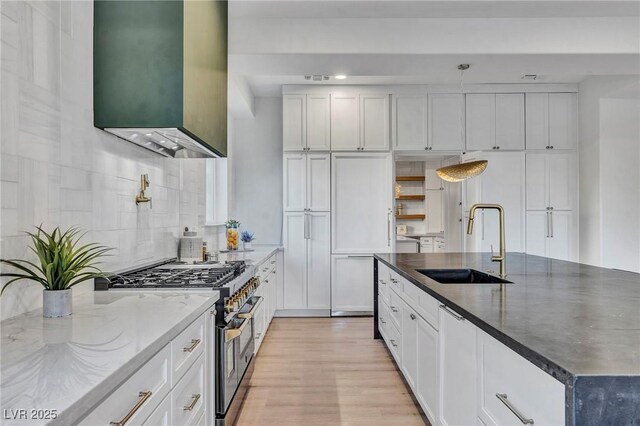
<point>461,276</point>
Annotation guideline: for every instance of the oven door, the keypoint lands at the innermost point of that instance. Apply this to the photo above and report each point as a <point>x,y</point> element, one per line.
<point>231,362</point>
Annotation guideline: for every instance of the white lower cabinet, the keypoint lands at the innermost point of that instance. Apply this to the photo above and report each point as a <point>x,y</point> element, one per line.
<point>162,415</point>
<point>187,398</point>
<point>351,283</point>
<point>514,391</point>
<point>457,369</point>
<point>458,373</point>
<point>173,388</point>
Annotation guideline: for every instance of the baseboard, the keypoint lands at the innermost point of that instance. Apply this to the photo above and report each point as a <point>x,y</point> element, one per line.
<point>293,313</point>
<point>351,313</point>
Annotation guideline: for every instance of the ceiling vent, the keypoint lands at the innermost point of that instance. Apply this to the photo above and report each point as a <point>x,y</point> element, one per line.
<point>316,77</point>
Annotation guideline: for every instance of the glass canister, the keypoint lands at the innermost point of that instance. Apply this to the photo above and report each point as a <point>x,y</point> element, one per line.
<point>232,235</point>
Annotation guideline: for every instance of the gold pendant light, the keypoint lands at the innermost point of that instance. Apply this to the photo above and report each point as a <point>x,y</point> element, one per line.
<point>463,171</point>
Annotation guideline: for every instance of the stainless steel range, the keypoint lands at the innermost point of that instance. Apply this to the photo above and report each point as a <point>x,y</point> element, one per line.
<point>234,334</point>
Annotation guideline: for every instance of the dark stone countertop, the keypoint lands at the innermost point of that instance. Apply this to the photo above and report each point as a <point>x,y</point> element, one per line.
<point>567,318</point>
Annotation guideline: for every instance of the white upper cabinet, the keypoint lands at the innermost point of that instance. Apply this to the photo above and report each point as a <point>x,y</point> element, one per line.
<point>445,122</point>
<point>294,132</point>
<point>408,122</point>
<point>551,181</point>
<point>495,121</point>
<point>510,121</point>
<point>345,122</point>
<point>551,120</point>
<point>306,182</point>
<point>481,121</point>
<point>305,122</point>
<point>374,122</point>
<point>318,127</point>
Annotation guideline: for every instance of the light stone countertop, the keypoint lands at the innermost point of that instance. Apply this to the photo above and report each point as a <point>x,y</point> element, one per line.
<point>71,364</point>
<point>259,254</point>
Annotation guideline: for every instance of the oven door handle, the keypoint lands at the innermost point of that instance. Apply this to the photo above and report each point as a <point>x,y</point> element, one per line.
<point>252,312</point>
<point>233,333</point>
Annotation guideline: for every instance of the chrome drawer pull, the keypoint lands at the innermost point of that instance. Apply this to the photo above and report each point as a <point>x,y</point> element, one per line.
<point>382,321</point>
<point>194,401</point>
<point>503,398</point>
<point>143,398</point>
<point>393,308</point>
<point>194,344</point>
<point>393,342</point>
<point>413,317</point>
<point>450,312</point>
<point>393,280</point>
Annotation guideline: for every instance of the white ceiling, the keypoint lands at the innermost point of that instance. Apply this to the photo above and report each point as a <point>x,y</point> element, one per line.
<point>272,43</point>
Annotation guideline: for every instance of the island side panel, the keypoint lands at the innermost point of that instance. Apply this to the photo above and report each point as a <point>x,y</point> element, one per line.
<point>606,400</point>
<point>376,332</point>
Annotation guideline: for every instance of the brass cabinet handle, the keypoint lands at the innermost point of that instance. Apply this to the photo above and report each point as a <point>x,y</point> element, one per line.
<point>143,398</point>
<point>232,333</point>
<point>194,344</point>
<point>194,401</point>
<point>503,398</point>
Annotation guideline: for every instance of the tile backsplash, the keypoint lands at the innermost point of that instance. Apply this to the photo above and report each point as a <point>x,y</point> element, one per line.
<point>57,169</point>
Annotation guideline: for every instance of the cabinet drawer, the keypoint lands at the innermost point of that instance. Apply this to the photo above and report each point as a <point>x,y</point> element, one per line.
<point>186,348</point>
<point>383,317</point>
<point>395,309</point>
<point>422,303</point>
<point>397,282</point>
<point>394,342</point>
<point>136,398</point>
<point>162,415</point>
<point>187,398</point>
<point>508,380</point>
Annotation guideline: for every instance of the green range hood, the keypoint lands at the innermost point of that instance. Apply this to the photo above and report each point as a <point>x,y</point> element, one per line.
<point>160,74</point>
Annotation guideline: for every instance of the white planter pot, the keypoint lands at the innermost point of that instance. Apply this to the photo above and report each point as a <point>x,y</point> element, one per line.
<point>56,303</point>
<point>246,246</point>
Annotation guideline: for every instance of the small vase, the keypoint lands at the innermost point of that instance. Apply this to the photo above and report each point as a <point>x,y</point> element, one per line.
<point>56,303</point>
<point>232,238</point>
<point>247,246</point>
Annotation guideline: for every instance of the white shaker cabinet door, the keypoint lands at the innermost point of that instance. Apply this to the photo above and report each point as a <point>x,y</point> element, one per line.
<point>318,127</point>
<point>318,182</point>
<point>319,260</point>
<point>409,326</point>
<point>345,122</point>
<point>537,232</point>
<point>561,235</point>
<point>537,120</point>
<point>428,381</point>
<point>294,111</point>
<point>562,180</point>
<point>510,121</point>
<point>409,122</point>
<point>481,121</point>
<point>458,370</point>
<point>295,229</point>
<point>374,122</point>
<point>361,192</point>
<point>537,182</point>
<point>563,120</point>
<point>294,182</point>
<point>352,283</point>
<point>445,123</point>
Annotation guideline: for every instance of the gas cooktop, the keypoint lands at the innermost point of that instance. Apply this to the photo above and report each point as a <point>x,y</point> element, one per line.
<point>174,275</point>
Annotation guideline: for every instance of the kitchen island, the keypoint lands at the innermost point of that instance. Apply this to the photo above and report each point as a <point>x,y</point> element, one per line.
<point>579,324</point>
<point>58,370</point>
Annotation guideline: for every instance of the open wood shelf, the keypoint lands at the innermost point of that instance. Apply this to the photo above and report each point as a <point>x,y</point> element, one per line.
<point>411,216</point>
<point>409,178</point>
<point>410,197</point>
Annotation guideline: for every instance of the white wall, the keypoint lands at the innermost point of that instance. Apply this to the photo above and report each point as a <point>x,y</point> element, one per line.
<point>255,167</point>
<point>57,169</point>
<point>609,154</point>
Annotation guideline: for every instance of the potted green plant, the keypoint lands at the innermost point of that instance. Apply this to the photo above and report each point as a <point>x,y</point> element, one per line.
<point>247,237</point>
<point>63,263</point>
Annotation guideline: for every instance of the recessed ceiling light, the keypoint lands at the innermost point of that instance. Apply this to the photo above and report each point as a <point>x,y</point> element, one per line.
<point>340,77</point>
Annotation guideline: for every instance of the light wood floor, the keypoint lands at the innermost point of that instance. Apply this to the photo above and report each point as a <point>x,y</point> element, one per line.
<point>326,371</point>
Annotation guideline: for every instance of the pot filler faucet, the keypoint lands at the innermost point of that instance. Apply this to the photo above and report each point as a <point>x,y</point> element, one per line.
<point>502,256</point>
